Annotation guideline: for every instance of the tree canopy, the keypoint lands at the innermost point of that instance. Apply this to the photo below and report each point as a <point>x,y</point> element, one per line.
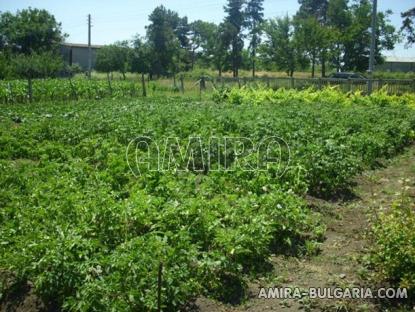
<point>30,30</point>
<point>323,33</point>
<point>408,26</point>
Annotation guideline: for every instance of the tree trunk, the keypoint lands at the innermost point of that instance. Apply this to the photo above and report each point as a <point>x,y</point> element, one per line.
<point>143,85</point>
<point>338,58</point>
<point>30,89</point>
<point>323,64</point>
<point>313,64</point>
<point>254,40</point>
<point>193,58</point>
<point>109,83</point>
<point>253,63</point>
<point>123,75</point>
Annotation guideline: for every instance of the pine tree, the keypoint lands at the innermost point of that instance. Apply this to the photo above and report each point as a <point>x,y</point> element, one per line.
<point>236,21</point>
<point>408,26</point>
<point>316,8</point>
<point>254,18</point>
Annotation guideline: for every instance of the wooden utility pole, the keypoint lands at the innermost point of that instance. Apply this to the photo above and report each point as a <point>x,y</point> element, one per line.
<point>89,47</point>
<point>372,46</point>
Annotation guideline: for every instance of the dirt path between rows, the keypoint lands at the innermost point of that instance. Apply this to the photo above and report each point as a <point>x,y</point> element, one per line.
<point>339,262</point>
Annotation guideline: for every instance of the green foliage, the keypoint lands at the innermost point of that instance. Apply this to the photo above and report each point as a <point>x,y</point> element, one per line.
<point>408,26</point>
<point>204,42</point>
<point>114,57</point>
<point>235,21</point>
<point>334,156</point>
<point>312,37</point>
<point>5,68</point>
<point>254,19</point>
<point>393,252</point>
<point>357,40</point>
<point>30,30</point>
<point>140,56</point>
<point>15,91</point>
<point>162,35</point>
<point>90,235</point>
<point>74,69</point>
<point>281,48</point>
<point>36,65</point>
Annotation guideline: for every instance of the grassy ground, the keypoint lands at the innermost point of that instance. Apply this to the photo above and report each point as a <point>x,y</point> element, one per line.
<point>246,73</point>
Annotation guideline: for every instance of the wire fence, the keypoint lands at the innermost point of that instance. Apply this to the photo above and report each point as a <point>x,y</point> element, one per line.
<point>392,86</point>
<point>20,91</point>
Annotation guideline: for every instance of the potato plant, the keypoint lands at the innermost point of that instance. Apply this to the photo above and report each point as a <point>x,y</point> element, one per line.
<point>90,233</point>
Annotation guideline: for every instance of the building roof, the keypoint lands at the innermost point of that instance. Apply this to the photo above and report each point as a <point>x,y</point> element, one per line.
<point>80,45</point>
<point>399,59</point>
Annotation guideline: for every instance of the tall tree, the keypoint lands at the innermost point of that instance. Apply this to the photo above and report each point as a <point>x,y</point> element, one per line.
<point>254,18</point>
<point>280,50</point>
<point>113,57</point>
<point>357,45</point>
<point>313,37</point>
<point>318,10</point>
<point>235,20</point>
<point>35,65</point>
<point>408,26</point>
<point>140,57</point>
<point>203,37</point>
<point>162,35</point>
<point>338,20</point>
<point>182,57</point>
<point>30,30</point>
<point>220,54</point>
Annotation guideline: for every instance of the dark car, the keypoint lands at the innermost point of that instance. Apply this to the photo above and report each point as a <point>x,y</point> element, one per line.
<point>347,75</point>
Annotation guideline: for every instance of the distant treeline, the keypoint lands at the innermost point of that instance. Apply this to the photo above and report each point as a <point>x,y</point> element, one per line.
<point>323,34</point>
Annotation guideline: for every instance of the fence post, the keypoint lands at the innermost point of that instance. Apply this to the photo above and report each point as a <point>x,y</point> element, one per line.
<point>268,83</point>
<point>143,85</point>
<point>319,84</point>
<point>239,83</point>
<point>202,83</point>
<point>349,85</point>
<point>413,85</point>
<point>109,83</point>
<point>380,84</point>
<point>202,86</point>
<point>369,85</point>
<point>159,283</point>
<point>292,82</point>
<point>181,84</point>
<point>30,89</point>
<point>10,91</point>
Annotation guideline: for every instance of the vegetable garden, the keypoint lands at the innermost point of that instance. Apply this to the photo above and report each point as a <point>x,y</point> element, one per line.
<point>92,236</point>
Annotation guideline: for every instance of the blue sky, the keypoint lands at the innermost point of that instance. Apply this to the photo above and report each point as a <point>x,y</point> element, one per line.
<point>119,20</point>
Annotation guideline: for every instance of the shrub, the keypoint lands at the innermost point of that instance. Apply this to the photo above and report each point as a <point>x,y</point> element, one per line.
<point>393,254</point>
